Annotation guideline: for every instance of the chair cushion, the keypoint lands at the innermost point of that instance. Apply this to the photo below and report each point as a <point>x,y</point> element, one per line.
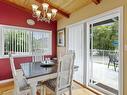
<point>51,84</point>
<point>23,84</point>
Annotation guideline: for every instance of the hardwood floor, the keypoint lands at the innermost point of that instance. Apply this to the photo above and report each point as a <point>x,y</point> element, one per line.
<point>7,89</point>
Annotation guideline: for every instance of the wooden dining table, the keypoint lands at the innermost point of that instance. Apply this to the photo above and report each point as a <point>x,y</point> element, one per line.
<point>35,72</point>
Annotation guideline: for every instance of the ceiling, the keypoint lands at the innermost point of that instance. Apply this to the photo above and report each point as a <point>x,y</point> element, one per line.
<point>66,7</point>
<point>70,6</point>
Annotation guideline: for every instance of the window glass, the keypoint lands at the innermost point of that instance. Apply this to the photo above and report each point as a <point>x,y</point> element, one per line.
<point>21,41</point>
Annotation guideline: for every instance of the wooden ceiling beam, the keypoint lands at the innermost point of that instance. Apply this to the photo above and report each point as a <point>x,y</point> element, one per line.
<point>97,1</point>
<point>67,15</point>
<point>16,6</point>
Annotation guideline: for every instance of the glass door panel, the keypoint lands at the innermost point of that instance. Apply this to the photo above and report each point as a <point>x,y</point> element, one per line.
<point>104,55</point>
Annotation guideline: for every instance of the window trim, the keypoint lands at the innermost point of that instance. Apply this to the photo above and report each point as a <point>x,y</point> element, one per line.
<point>24,28</point>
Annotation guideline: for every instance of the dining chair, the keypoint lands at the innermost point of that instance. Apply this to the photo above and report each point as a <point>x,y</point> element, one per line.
<point>113,58</point>
<point>37,55</point>
<point>63,82</point>
<point>20,85</point>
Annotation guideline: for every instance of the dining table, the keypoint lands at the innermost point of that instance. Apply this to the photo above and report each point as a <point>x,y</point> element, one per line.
<point>37,71</point>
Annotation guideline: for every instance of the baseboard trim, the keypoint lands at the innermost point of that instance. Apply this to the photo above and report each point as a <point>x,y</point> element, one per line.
<point>84,86</point>
<point>6,81</point>
<point>89,88</point>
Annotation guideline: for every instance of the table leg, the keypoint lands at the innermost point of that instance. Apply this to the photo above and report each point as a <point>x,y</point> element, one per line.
<point>33,88</point>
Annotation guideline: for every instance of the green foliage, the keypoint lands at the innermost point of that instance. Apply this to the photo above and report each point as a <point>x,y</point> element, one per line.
<point>104,36</point>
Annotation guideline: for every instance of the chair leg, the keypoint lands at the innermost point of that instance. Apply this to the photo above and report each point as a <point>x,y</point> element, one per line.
<point>108,64</point>
<point>43,90</point>
<point>14,92</point>
<point>70,91</point>
<point>29,93</point>
<point>56,93</point>
<point>114,66</point>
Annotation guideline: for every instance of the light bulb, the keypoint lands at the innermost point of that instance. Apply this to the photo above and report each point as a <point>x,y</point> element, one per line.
<point>45,6</point>
<point>38,13</point>
<point>34,7</point>
<point>54,11</point>
<point>49,15</point>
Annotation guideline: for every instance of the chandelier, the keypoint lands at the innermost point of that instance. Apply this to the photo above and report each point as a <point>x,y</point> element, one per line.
<point>45,14</point>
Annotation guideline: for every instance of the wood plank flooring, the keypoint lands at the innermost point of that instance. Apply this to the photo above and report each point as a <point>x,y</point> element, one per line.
<point>7,89</point>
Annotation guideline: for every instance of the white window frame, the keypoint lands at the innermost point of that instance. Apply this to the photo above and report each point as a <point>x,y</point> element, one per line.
<point>23,28</point>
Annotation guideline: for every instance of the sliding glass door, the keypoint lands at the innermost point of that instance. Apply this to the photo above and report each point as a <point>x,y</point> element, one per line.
<point>104,55</point>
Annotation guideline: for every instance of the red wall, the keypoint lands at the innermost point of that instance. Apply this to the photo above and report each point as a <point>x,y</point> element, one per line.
<point>11,15</point>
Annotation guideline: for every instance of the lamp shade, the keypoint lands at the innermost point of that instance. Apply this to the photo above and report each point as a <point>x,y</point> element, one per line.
<point>45,6</point>
<point>34,7</point>
<point>49,15</point>
<point>38,13</point>
<point>54,11</point>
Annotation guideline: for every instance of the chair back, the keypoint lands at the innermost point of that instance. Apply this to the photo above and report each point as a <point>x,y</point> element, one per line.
<point>37,56</point>
<point>114,57</point>
<point>65,70</point>
<point>13,69</point>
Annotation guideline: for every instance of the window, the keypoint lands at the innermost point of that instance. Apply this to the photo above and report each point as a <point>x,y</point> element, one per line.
<point>16,41</point>
<point>42,41</point>
<point>21,41</point>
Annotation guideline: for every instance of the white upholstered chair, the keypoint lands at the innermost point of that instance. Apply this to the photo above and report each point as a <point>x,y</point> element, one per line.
<point>63,82</point>
<point>20,85</point>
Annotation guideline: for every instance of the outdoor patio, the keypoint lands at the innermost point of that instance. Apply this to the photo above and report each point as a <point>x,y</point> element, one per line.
<point>103,74</point>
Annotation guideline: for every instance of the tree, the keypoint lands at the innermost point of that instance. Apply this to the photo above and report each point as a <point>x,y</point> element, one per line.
<point>105,37</point>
